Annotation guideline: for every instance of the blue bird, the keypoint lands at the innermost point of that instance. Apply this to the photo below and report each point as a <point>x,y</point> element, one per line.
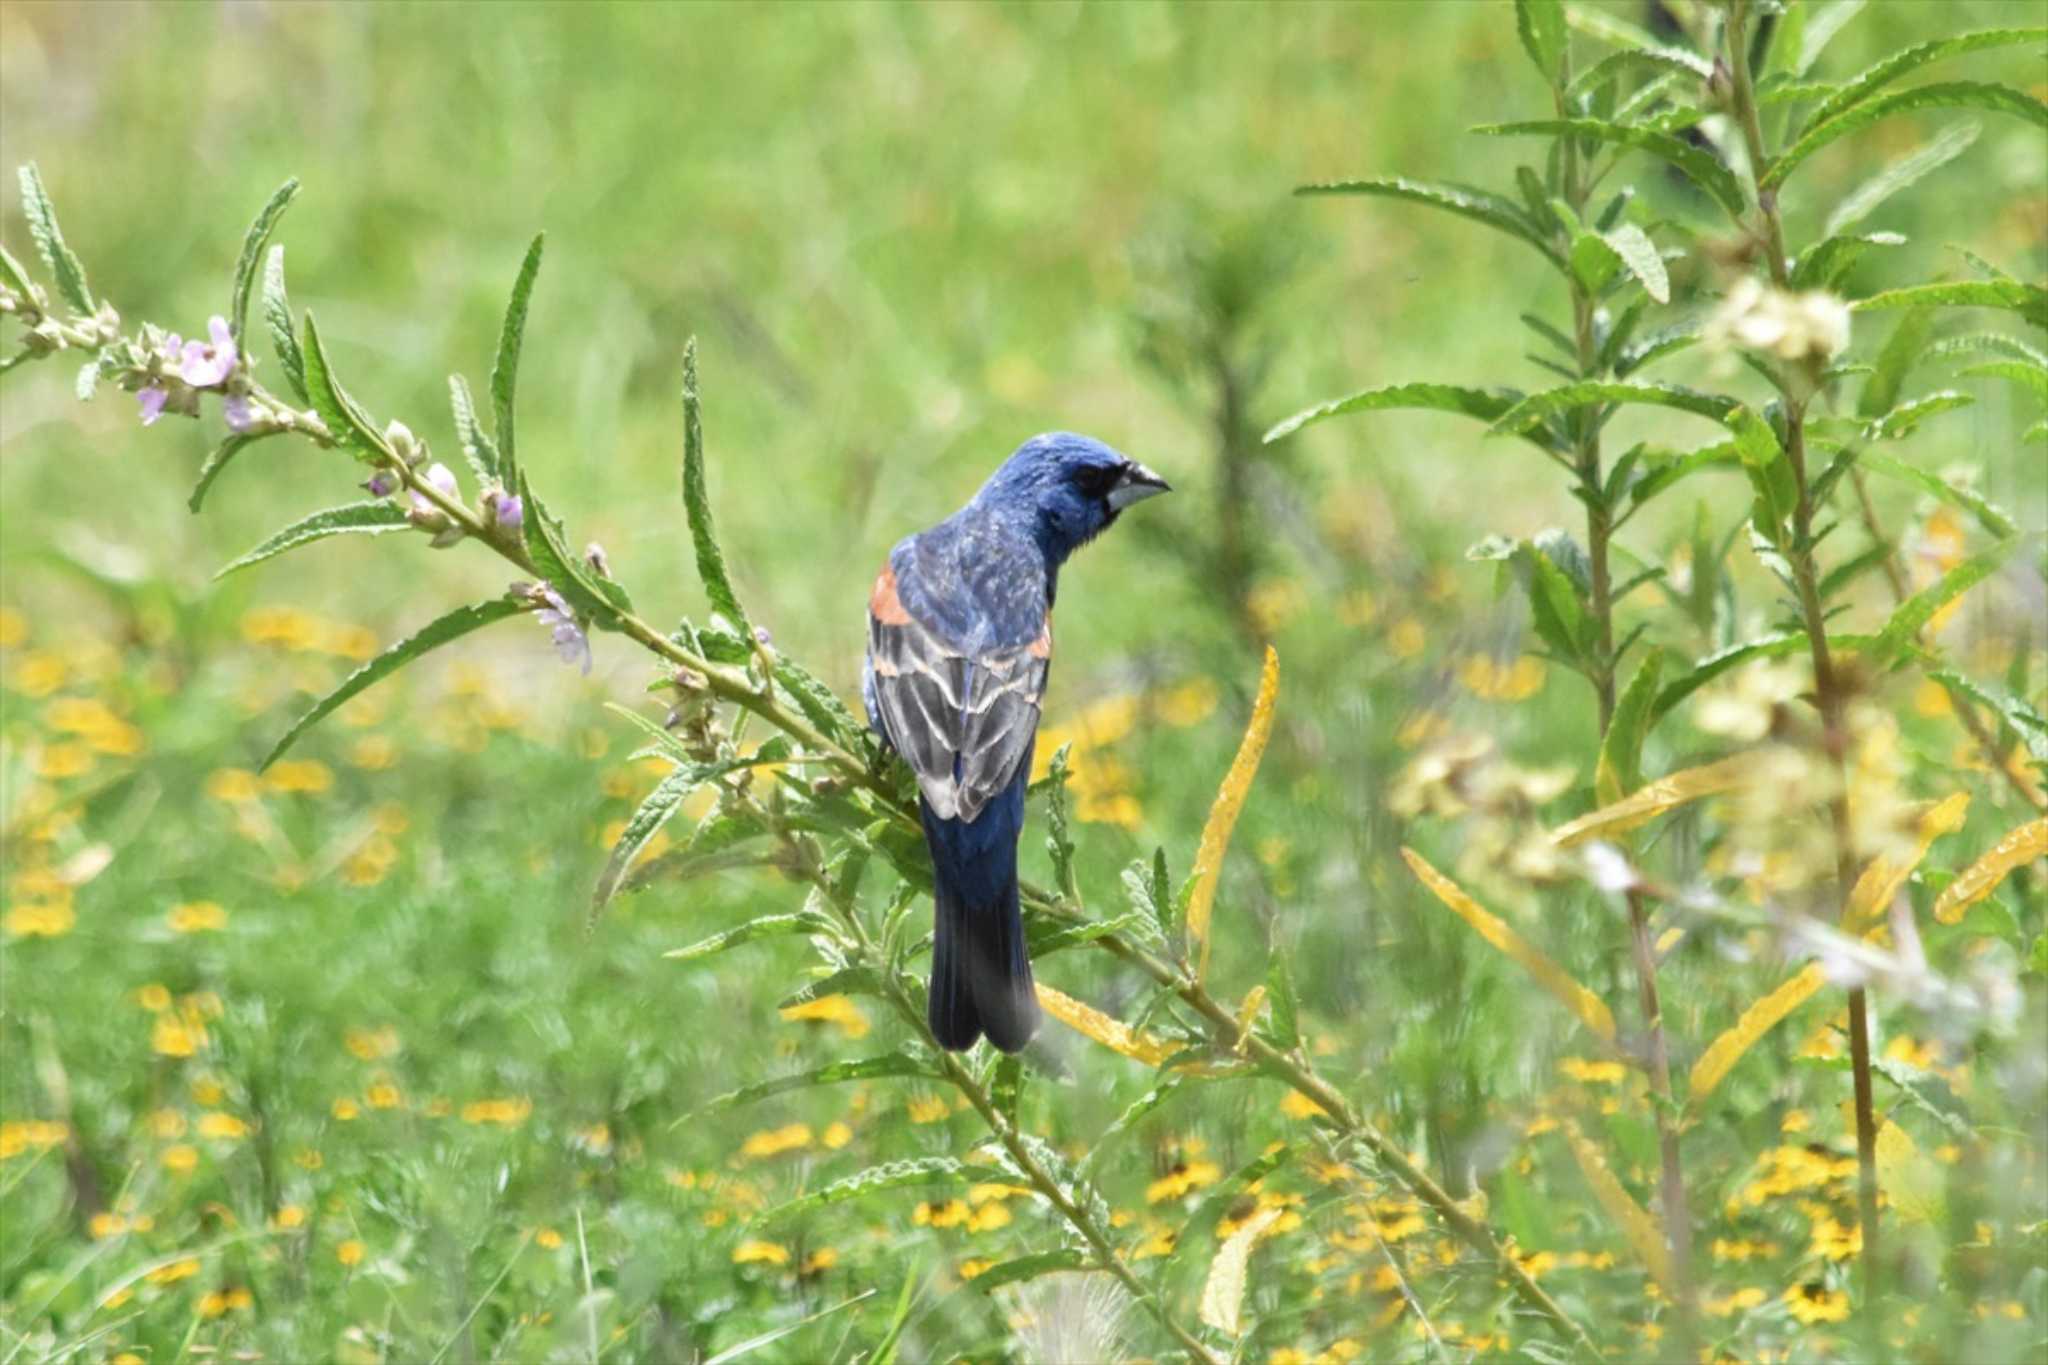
<point>959,643</point>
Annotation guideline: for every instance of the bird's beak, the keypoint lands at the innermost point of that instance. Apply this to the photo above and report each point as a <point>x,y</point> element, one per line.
<point>1135,484</point>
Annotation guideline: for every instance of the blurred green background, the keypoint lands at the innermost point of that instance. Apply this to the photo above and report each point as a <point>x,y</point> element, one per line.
<point>907,238</point>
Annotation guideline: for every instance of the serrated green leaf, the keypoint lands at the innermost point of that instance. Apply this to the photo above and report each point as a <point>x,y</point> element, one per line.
<point>754,1343</point>
<point>891,1175</point>
<point>1754,442</point>
<point>277,315</point>
<point>1555,607</point>
<point>1913,614</point>
<point>1991,517</point>
<point>1950,143</point>
<point>1819,29</point>
<point>1620,767</point>
<point>599,598</point>
<point>646,821</point>
<point>1604,25</point>
<point>1160,1091</point>
<point>215,463</point>
<point>1999,99</point>
<point>1485,404</point>
<point>1655,346</point>
<point>346,421</point>
<point>1700,167</point>
<point>1988,343</point>
<point>835,1073</point>
<point>765,926</point>
<point>1637,252</point>
<point>453,626</point>
<point>1594,261</point>
<point>1481,206</point>
<point>697,502</point>
<point>1669,467</point>
<point>1713,665</point>
<point>2024,721</point>
<point>1674,60</point>
<point>65,268</point>
<point>1541,26</point>
<point>1911,59</point>
<point>1895,360</point>
<point>2029,375</point>
<point>252,255</point>
<point>845,981</point>
<point>357,518</point>
<point>819,703</point>
<point>1902,420</point>
<point>1821,265</point>
<point>477,447</point>
<point>505,369</point>
<point>1049,936</point>
<point>1059,844</point>
<point>1030,1268</point>
<point>15,276</point>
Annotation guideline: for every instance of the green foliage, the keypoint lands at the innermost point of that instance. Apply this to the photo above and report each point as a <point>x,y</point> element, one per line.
<point>357,518</point>
<point>64,266</point>
<point>252,255</point>
<point>697,502</point>
<point>505,368</point>
<point>345,418</point>
<point>284,332</point>
<point>1948,95</point>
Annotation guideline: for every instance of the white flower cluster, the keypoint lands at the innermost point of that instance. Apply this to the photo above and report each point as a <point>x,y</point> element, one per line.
<point>1805,329</point>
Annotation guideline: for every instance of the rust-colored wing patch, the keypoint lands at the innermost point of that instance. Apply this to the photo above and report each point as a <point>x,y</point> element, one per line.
<point>883,603</point>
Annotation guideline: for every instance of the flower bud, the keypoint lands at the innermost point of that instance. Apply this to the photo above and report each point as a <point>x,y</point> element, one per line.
<point>402,442</point>
<point>593,555</point>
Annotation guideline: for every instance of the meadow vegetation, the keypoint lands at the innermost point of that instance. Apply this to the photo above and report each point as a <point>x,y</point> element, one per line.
<point>1538,854</point>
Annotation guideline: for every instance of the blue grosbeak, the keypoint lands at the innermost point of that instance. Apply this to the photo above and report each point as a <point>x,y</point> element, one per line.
<point>959,641</point>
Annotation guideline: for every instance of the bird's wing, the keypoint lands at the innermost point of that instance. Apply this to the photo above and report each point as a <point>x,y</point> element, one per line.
<point>962,719</point>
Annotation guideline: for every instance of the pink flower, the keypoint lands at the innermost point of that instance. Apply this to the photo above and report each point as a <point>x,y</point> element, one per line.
<point>241,417</point>
<point>152,400</point>
<point>438,475</point>
<point>202,365</point>
<point>571,644</point>
<point>511,511</point>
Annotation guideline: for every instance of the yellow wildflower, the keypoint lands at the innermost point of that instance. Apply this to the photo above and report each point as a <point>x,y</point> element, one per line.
<point>53,919</point>
<point>181,1159</point>
<point>1406,637</point>
<point>196,917</point>
<point>382,1094</point>
<point>1811,1303</point>
<point>1592,1073</point>
<point>547,1239</point>
<point>183,1269</point>
<point>369,1045</point>
<point>509,1113</point>
<point>775,1141</point>
<point>836,1135</point>
<point>831,1009</point>
<point>13,628</point>
<point>1184,1178</point>
<point>1191,703</point>
<point>222,1127</point>
<point>59,761</point>
<point>927,1108</point>
<point>350,1253</point>
<point>305,776</point>
<point>233,785</point>
<point>760,1253</point>
<point>345,1110</point>
<point>290,1216</point>
<point>973,1266</point>
<point>179,1034</point>
<point>950,1214</point>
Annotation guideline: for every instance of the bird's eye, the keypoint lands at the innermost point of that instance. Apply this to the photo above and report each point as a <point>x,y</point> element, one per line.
<point>1095,480</point>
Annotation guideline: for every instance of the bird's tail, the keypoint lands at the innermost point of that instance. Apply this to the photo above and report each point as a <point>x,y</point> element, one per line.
<point>981,969</point>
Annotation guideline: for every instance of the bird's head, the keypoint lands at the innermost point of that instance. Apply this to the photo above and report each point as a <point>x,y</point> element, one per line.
<point>1071,486</point>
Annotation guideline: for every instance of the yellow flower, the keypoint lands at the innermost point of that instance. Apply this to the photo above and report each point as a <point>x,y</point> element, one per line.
<point>1592,1073</point>
<point>222,1127</point>
<point>290,1216</point>
<point>988,1218</point>
<point>950,1214</point>
<point>760,1253</point>
<point>1186,1176</point>
<point>1406,637</point>
<point>547,1239</point>
<point>831,1009</point>
<point>372,753</point>
<point>51,920</point>
<point>1795,1121</point>
<point>177,1270</point>
<point>369,1045</point>
<point>1191,703</point>
<point>178,1034</point>
<point>836,1135</point>
<point>775,1141</point>
<point>1835,1241</point>
<point>306,776</point>
<point>927,1108</point>
<point>59,761</point>
<point>308,1159</point>
<point>233,785</point>
<point>1274,603</point>
<point>13,628</point>
<point>196,917</point>
<point>383,1095</point>
<point>1812,1303</point>
<point>154,997</point>
<point>1296,1105</point>
<point>350,1253</point>
<point>973,1266</point>
<point>509,1113</point>
<point>1912,1052</point>
<point>181,1159</point>
<point>345,1110</point>
<point>39,674</point>
<point>824,1258</point>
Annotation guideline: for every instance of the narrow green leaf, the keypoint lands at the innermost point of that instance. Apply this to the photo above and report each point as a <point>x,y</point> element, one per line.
<point>653,812</point>
<point>2024,721</point>
<point>819,703</point>
<point>1988,343</point>
<point>1485,404</point>
<point>1900,63</point>
<point>1655,346</point>
<point>453,626</point>
<point>1602,24</point>
<point>1902,420</point>
<point>15,276</point>
<point>1754,441</point>
<point>1820,29</point>
<point>1160,1091</point>
<point>762,928</point>
<point>49,238</point>
<point>1620,767</point>
<point>284,329</point>
<point>697,502</point>
<point>1913,614</point>
<point>1541,26</point>
<point>1554,603</point>
<point>1851,569</point>
<point>1674,60</point>
<point>845,981</point>
<point>1999,99</point>
<point>477,447</point>
<point>215,463</point>
<point>1031,1267</point>
<point>505,369</point>
<point>1770,647</point>
<point>1700,167</point>
<point>2030,376</point>
<point>835,1073</point>
<point>892,1175</point>
<point>1285,1016</point>
<point>356,518</point>
<point>346,421</point>
<point>1991,517</point>
<point>773,1335</point>
<point>1594,260</point>
<point>1049,936</point>
<point>1481,206</point>
<point>1895,360</point>
<point>1950,143</point>
<point>1825,262</point>
<point>600,598</point>
<point>1639,254</point>
<point>1670,467</point>
<point>1059,843</point>
<point>252,255</point>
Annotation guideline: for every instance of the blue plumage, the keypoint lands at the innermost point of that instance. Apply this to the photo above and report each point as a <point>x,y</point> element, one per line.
<point>959,643</point>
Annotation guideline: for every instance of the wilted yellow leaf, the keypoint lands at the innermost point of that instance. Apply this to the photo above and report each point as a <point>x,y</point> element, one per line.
<point>1641,1230</point>
<point>1910,1181</point>
<point>1981,878</point>
<point>1881,880</point>
<point>1223,1295</point>
<point>1760,1018</point>
<point>1248,1014</point>
<point>1590,1008</point>
<point>1648,802</point>
<point>1111,1033</point>
<point>1223,814</point>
